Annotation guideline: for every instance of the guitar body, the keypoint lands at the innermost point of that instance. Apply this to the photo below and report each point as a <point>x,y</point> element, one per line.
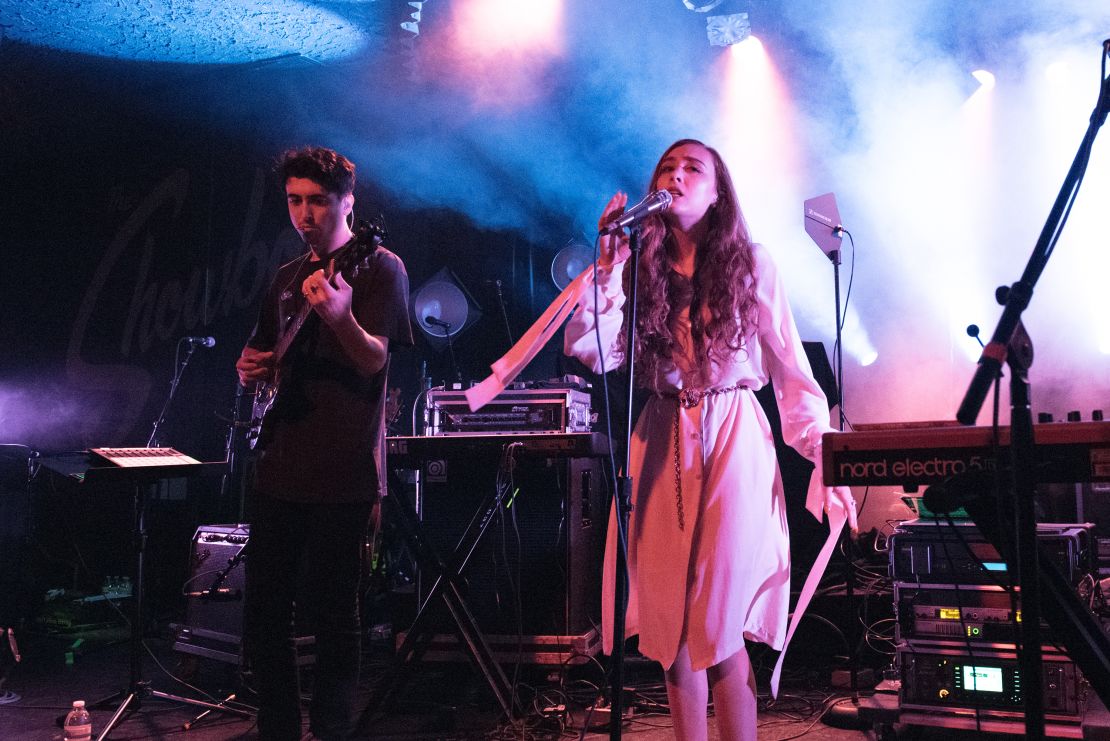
<point>264,394</point>
<point>348,260</point>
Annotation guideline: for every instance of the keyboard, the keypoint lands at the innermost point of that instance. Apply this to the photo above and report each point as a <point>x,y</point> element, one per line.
<point>903,455</point>
<point>137,457</point>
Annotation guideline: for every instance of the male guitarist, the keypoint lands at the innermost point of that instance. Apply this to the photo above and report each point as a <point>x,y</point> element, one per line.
<point>323,338</point>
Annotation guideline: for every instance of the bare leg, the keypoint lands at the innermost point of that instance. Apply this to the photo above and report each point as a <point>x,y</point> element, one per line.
<point>734,699</point>
<point>688,694</point>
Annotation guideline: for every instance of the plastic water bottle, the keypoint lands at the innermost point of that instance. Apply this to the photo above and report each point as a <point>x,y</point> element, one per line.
<point>78,725</point>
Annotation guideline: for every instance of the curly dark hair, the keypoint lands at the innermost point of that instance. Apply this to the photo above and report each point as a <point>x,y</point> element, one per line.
<point>331,170</point>
<point>721,294</point>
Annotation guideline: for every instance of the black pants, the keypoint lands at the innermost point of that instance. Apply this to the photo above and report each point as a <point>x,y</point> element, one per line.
<point>323,544</point>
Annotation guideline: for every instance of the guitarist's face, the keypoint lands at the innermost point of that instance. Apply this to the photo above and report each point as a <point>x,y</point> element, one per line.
<point>319,216</point>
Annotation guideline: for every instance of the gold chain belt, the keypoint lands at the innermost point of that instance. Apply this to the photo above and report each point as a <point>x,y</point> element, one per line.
<point>688,399</point>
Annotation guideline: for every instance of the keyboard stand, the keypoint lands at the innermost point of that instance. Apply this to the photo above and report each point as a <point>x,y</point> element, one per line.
<point>445,577</point>
<point>140,478</point>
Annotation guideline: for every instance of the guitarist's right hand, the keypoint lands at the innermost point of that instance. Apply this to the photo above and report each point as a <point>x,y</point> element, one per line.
<point>254,366</point>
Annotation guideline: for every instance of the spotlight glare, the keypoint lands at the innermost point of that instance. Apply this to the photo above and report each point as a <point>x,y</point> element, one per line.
<point>869,358</point>
<point>986,79</point>
<point>491,28</point>
<point>1056,73</point>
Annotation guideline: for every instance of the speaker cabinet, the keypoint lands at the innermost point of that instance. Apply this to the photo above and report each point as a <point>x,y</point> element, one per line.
<point>537,569</point>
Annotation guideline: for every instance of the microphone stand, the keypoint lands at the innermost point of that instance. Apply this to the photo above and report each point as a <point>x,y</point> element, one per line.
<point>504,313</point>
<point>834,257</point>
<point>845,536</point>
<point>446,327</point>
<point>233,447</point>
<point>623,507</point>
<point>179,370</point>
<point>1008,334</point>
<point>222,574</point>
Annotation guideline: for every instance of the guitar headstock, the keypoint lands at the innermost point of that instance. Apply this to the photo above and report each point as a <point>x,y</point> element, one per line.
<point>371,232</point>
<point>368,235</point>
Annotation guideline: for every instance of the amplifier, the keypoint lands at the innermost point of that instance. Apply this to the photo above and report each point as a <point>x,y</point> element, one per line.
<point>937,552</point>
<point>990,681</point>
<point>971,614</point>
<point>517,411</point>
<point>216,590</point>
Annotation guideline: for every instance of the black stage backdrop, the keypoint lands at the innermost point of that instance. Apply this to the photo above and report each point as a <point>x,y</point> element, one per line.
<point>135,210</point>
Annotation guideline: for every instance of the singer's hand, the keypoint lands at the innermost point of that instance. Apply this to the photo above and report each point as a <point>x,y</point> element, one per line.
<point>254,365</point>
<point>840,497</point>
<point>613,247</point>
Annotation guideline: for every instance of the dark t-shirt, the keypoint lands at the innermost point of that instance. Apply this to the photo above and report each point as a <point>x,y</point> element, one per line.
<point>323,440</point>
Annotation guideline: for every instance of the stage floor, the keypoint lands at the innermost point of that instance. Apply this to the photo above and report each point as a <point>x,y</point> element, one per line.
<point>437,701</point>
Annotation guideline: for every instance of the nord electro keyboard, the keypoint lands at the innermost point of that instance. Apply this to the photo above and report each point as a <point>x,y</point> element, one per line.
<point>1067,452</point>
<point>417,449</point>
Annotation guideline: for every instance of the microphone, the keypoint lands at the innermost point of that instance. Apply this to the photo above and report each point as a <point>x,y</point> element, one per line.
<point>973,331</point>
<point>962,489</point>
<point>655,202</point>
<point>202,341</point>
<point>435,321</point>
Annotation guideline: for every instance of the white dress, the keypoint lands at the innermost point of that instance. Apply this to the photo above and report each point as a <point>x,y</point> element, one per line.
<point>725,576</point>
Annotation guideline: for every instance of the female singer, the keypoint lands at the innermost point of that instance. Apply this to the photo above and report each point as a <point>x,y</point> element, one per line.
<point>708,548</point>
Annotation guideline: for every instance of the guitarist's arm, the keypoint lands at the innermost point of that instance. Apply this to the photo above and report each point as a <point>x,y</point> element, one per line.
<point>333,304</point>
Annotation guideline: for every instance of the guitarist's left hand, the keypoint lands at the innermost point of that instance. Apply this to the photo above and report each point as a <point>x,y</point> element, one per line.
<point>331,302</point>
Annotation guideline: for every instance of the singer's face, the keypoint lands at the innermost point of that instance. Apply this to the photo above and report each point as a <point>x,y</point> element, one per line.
<point>318,215</point>
<point>687,171</point>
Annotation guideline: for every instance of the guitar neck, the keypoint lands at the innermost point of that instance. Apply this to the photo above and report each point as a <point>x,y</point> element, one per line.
<point>291,332</point>
<point>366,239</point>
<point>298,321</point>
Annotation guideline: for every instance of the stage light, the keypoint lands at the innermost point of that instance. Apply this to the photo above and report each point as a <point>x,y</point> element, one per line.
<point>702,7</point>
<point>413,24</point>
<point>986,79</point>
<point>727,30</point>
<point>869,358</point>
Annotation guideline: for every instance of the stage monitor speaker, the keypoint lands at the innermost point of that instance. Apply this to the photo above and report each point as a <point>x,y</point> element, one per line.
<point>542,553</point>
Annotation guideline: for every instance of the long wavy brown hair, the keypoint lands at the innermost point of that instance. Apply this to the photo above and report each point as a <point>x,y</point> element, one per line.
<point>721,294</point>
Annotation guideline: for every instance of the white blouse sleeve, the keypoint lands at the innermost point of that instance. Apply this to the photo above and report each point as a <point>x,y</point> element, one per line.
<point>803,407</point>
<point>579,337</point>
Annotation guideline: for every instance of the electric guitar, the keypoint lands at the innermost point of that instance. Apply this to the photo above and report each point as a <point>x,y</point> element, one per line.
<point>392,409</point>
<point>348,260</point>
